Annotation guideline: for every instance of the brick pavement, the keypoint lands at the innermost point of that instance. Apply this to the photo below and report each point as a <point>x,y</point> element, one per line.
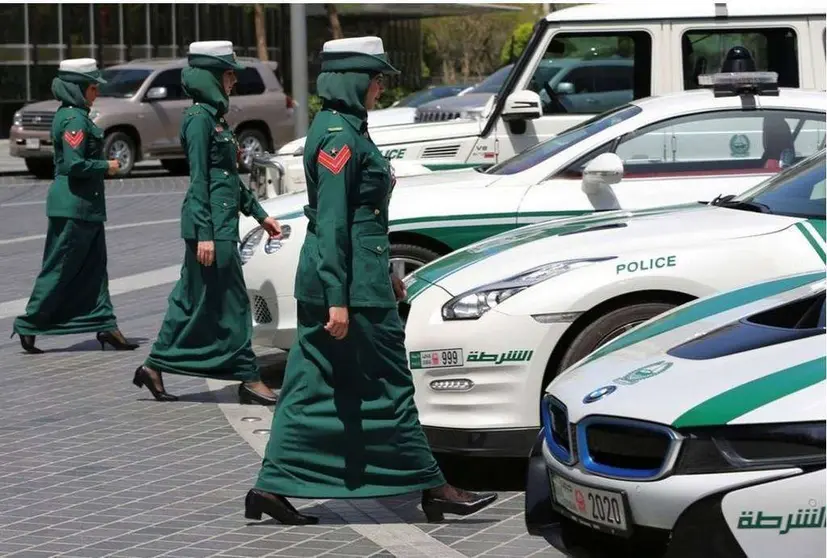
<point>91,466</point>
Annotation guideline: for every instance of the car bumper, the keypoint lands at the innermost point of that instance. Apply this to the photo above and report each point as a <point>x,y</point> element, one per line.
<point>30,144</point>
<point>689,515</point>
<point>499,413</point>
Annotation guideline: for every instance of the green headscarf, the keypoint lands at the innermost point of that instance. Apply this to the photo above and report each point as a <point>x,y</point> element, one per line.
<point>69,93</point>
<point>345,91</point>
<point>204,86</point>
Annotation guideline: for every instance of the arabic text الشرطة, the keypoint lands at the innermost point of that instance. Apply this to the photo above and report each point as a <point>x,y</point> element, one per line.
<point>804,519</point>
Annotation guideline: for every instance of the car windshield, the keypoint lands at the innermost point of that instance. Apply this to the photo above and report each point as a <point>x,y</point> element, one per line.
<point>122,83</point>
<point>421,97</point>
<point>798,191</point>
<point>542,151</point>
<point>494,82</point>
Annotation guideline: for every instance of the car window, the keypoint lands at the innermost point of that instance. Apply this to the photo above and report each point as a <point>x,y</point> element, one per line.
<point>721,142</point>
<point>629,57</point>
<point>773,49</point>
<point>249,82</point>
<point>171,79</point>
<point>122,83</point>
<point>494,82</point>
<point>542,151</point>
<point>798,191</point>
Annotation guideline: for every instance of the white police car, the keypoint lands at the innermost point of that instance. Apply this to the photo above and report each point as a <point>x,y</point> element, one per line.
<point>489,326</point>
<point>667,150</point>
<point>700,433</point>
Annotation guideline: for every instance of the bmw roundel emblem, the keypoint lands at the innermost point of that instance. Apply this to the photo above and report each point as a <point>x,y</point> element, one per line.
<point>599,394</point>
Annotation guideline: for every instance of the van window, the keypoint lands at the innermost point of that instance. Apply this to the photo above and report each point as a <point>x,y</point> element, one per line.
<point>773,49</point>
<point>590,73</point>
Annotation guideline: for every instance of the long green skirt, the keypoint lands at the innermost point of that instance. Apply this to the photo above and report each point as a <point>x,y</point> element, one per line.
<point>346,425</point>
<point>71,293</point>
<point>207,328</point>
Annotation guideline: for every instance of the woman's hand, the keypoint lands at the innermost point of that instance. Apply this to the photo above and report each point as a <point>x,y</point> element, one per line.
<point>337,323</point>
<point>272,227</point>
<point>114,166</point>
<point>398,288</point>
<point>205,252</point>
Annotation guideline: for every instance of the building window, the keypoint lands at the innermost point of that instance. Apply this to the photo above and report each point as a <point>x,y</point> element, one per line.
<point>185,26</point>
<point>77,30</point>
<point>13,34</point>
<point>135,31</point>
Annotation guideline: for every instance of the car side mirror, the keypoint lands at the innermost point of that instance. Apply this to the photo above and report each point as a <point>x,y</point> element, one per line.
<point>564,88</point>
<point>598,177</point>
<point>522,105</point>
<point>156,94</point>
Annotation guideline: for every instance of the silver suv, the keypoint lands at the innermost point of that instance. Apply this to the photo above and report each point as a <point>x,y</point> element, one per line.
<point>140,110</point>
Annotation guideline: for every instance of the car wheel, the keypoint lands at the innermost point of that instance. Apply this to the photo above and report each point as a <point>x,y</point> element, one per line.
<point>120,146</point>
<point>251,142</point>
<point>41,167</point>
<point>608,326</point>
<point>177,167</point>
<point>405,258</point>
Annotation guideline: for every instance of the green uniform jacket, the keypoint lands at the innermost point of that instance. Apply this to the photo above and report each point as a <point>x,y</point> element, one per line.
<point>345,257</point>
<point>216,194</point>
<point>77,191</point>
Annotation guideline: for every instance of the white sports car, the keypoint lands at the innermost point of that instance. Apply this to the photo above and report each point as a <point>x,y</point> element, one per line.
<point>489,326</point>
<point>701,432</point>
<point>673,149</point>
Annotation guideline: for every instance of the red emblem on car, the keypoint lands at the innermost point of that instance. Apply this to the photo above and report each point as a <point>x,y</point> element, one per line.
<point>581,500</point>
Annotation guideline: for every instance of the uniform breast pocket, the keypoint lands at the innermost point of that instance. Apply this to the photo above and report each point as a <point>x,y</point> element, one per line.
<point>224,151</point>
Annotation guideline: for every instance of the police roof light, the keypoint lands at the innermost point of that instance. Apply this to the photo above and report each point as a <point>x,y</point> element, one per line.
<point>731,84</point>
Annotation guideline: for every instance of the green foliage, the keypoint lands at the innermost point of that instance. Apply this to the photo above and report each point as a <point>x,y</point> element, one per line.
<point>516,43</point>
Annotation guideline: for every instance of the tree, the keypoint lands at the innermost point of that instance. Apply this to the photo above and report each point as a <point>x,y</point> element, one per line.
<point>333,19</point>
<point>515,45</point>
<point>261,35</point>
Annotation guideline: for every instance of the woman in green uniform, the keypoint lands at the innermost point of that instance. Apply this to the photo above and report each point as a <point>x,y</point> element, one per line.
<point>346,425</point>
<point>207,329</point>
<point>71,293</point>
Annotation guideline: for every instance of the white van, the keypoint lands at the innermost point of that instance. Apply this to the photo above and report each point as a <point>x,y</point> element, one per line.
<point>668,44</point>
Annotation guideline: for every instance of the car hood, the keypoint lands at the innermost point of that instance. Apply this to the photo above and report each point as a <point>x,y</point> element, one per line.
<point>648,364</point>
<point>407,133</point>
<point>42,106</point>
<point>291,206</point>
<point>462,102</point>
<point>601,234</point>
<point>391,117</point>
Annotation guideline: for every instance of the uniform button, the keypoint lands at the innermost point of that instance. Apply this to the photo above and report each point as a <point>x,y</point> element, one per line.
<point>226,173</point>
<point>379,248</point>
<point>376,212</point>
<point>225,204</point>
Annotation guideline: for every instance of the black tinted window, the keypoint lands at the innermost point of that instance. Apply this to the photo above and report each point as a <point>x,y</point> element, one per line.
<point>171,79</point>
<point>249,82</point>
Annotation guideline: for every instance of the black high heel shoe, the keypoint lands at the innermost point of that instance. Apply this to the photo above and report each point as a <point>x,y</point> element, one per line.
<point>116,339</point>
<point>247,396</point>
<point>142,378</point>
<point>27,342</point>
<point>448,499</point>
<point>258,502</point>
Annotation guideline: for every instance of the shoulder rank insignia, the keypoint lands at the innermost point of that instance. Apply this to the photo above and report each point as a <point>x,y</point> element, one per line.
<point>335,161</point>
<point>74,139</point>
<point>335,129</point>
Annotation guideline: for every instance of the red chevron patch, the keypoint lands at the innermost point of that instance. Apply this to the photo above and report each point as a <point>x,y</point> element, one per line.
<point>337,163</point>
<point>74,139</point>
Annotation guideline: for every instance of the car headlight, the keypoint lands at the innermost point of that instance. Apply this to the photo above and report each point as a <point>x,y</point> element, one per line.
<point>253,238</point>
<point>473,304</point>
<point>18,119</point>
<point>471,114</point>
<point>744,447</point>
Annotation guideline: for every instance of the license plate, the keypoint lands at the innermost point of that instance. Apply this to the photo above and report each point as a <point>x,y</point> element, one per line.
<point>603,509</point>
<point>443,358</point>
<point>32,143</point>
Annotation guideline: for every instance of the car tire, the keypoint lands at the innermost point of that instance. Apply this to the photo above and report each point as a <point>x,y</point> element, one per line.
<point>248,138</point>
<point>177,167</point>
<point>407,257</point>
<point>608,326</point>
<point>41,167</point>
<point>119,145</point>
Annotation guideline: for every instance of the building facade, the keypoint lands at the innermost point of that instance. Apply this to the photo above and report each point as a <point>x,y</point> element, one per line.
<point>36,37</point>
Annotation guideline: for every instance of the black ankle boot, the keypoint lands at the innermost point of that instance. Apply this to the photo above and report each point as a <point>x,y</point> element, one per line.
<point>277,507</point>
<point>448,499</point>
